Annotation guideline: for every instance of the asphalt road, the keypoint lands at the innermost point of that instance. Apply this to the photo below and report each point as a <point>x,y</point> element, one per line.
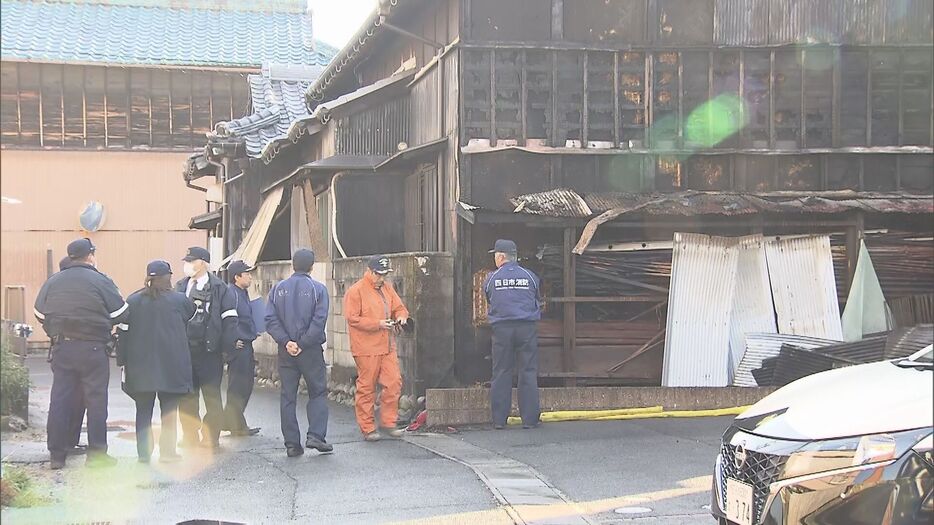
<point>659,467</point>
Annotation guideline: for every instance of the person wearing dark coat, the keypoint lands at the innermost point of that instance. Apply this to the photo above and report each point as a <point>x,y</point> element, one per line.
<point>78,308</point>
<point>80,409</point>
<point>212,332</point>
<point>157,363</point>
<point>241,364</point>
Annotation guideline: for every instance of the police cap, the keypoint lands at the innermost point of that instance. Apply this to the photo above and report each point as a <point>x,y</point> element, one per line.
<point>197,253</point>
<point>504,246</point>
<point>158,268</point>
<point>81,248</point>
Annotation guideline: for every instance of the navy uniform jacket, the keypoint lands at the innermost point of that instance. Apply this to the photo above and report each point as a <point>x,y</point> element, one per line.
<point>80,303</point>
<point>512,292</point>
<point>246,328</point>
<point>222,325</point>
<point>297,310</point>
<point>154,343</point>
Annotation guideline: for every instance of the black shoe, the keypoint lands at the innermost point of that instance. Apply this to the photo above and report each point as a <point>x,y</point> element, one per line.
<point>294,451</point>
<point>499,427</point>
<point>100,461</point>
<point>318,445</point>
<point>77,450</point>
<point>143,459</point>
<point>57,463</point>
<point>246,432</point>
<point>533,425</point>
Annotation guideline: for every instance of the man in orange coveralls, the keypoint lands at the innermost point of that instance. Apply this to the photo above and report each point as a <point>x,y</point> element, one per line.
<point>374,316</point>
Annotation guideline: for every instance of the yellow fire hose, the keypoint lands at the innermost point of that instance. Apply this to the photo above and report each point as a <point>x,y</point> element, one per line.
<point>629,413</point>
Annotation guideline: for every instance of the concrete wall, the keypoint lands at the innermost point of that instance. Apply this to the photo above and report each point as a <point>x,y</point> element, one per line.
<point>146,206</point>
<point>425,283</point>
<point>471,406</point>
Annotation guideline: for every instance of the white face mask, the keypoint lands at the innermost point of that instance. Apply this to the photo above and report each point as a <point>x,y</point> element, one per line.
<point>189,269</point>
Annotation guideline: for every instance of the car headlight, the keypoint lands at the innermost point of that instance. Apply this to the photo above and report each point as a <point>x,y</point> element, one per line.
<point>822,456</point>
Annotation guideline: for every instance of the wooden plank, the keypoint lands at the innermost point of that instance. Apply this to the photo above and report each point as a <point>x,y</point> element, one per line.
<point>802,121</point>
<point>570,309</point>
<point>554,99</point>
<point>901,102</point>
<point>41,123</point>
<point>836,93</point>
<point>868,100</point>
<point>523,96</point>
<point>62,103</point>
<point>106,114</point>
<point>616,135</point>
<point>585,111</point>
<point>772,99</point>
<point>493,97</point>
<point>84,104</point>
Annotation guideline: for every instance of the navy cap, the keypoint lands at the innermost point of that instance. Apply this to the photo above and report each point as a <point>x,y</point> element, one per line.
<point>504,246</point>
<point>81,248</point>
<point>197,253</point>
<point>157,268</point>
<point>237,267</point>
<point>303,260</point>
<point>380,264</point>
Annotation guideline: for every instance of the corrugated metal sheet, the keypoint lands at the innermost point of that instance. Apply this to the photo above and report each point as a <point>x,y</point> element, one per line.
<point>752,310</point>
<point>868,350</point>
<point>760,347</point>
<point>795,363</point>
<point>703,279</point>
<point>555,203</point>
<point>906,341</point>
<point>803,287</point>
<point>741,22</point>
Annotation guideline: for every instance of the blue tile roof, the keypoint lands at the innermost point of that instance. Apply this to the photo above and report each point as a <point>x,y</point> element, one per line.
<point>60,32</point>
<point>276,105</point>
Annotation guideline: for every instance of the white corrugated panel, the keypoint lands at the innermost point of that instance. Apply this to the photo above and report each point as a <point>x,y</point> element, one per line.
<point>803,287</point>
<point>763,346</point>
<point>752,300</point>
<point>703,277</point>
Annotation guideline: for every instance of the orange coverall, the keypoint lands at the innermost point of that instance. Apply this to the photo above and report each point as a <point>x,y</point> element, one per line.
<point>374,350</point>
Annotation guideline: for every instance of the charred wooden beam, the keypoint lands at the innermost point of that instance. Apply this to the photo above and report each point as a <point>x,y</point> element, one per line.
<point>84,105</point>
<point>772,99</point>
<point>901,102</point>
<point>191,112</point>
<point>149,98</point>
<point>523,97</point>
<point>492,97</point>
<point>616,133</point>
<point>554,99</point>
<point>557,19</point>
<point>585,117</point>
<point>680,139</point>
<point>742,97</point>
<point>837,93</point>
<point>106,117</point>
<point>868,99</point>
<point>61,101</point>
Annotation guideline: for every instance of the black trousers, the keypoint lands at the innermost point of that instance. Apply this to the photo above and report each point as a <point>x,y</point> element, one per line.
<point>241,371</point>
<point>168,408</point>
<point>77,420</point>
<point>207,370</point>
<point>79,368</point>
<point>515,343</point>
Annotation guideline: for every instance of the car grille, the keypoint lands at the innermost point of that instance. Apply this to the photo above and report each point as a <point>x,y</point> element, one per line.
<point>760,470</point>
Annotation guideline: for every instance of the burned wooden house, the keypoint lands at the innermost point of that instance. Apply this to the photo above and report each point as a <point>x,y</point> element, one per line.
<point>591,132</point>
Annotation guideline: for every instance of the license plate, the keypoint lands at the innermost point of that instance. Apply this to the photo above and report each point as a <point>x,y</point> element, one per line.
<point>739,502</point>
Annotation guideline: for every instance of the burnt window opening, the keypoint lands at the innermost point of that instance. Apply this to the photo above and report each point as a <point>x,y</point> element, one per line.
<point>854,93</point>
<point>726,90</point>
<point>477,85</point>
<point>570,97</point>
<point>668,173</point>
<point>696,88</point>
<point>798,172</point>
<point>278,245</point>
<point>880,173</point>
<point>710,173</point>
<point>538,99</point>
<point>756,99</point>
<point>52,105</point>
<point>843,172</point>
<point>508,95</point>
<point>916,86</point>
<point>884,93</point>
<point>665,99</point>
<point>580,173</point>
<point>600,102</point>
<point>604,21</point>
<point>758,172</point>
<point>786,115</point>
<point>422,210</point>
<point>632,100</point>
<point>818,97</point>
<point>916,173</point>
